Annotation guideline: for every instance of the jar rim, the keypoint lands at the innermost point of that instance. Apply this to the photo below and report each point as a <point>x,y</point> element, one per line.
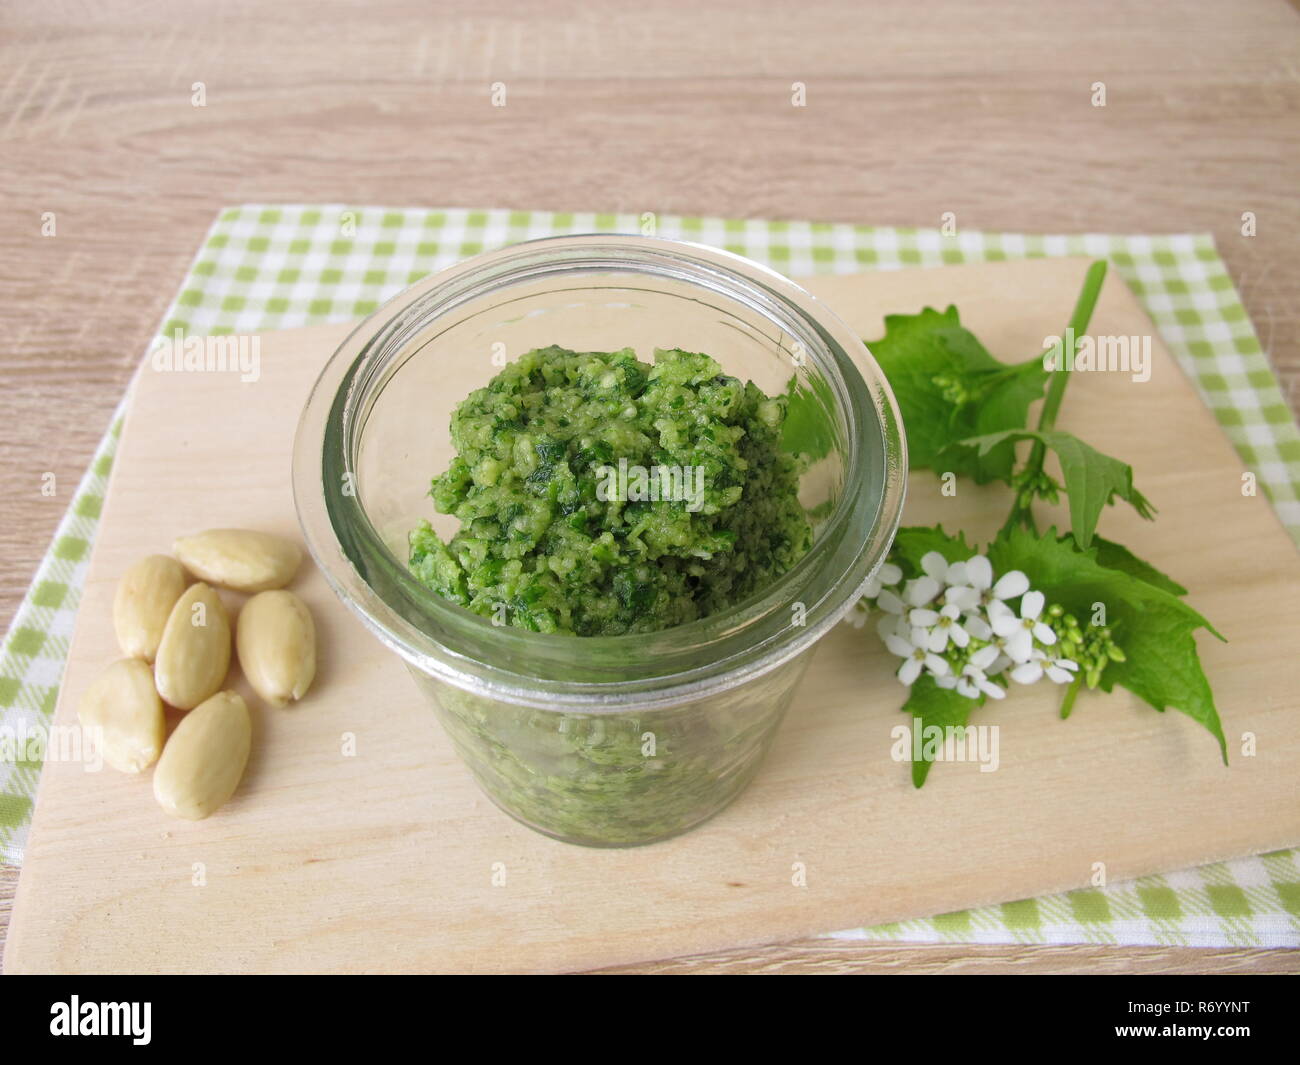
<point>443,639</point>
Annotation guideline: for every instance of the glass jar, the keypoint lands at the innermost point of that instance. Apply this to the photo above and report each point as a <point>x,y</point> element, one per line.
<point>604,740</point>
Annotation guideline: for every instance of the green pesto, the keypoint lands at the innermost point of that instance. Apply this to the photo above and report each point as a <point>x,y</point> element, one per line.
<point>616,780</point>
<point>540,546</point>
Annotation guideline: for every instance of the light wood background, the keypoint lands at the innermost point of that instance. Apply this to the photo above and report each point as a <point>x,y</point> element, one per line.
<point>913,110</point>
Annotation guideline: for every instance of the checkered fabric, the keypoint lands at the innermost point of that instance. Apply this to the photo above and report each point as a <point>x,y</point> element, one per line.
<point>276,267</point>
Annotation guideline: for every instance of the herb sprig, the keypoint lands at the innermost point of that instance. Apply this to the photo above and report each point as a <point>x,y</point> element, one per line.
<point>1100,617</point>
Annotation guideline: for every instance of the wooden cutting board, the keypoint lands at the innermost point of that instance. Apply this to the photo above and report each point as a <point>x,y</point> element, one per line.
<point>385,860</point>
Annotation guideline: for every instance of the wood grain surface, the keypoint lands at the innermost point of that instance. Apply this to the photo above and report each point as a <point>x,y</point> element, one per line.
<point>913,110</point>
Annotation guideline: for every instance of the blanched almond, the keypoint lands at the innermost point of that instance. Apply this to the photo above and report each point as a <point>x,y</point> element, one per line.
<point>204,759</point>
<point>123,707</point>
<point>144,598</point>
<point>276,640</point>
<point>194,654</point>
<point>242,559</point>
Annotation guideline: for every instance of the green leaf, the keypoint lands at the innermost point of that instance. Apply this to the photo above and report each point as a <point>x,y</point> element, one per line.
<point>1155,629</point>
<point>1117,556</point>
<point>949,387</point>
<point>913,542</point>
<point>931,705</point>
<point>809,427</point>
<point>1005,406</point>
<point>1092,480</point>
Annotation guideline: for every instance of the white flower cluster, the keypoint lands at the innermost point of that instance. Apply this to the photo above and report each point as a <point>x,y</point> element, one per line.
<point>955,623</point>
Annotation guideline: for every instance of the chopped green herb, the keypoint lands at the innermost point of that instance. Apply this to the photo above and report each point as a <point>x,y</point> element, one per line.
<point>551,540</point>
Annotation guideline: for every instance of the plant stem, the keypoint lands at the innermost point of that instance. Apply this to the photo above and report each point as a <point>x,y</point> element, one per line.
<point>1071,693</point>
<point>1078,325</point>
<point>1079,320</point>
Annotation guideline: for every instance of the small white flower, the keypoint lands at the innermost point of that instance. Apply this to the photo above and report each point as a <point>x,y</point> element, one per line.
<point>915,659</point>
<point>899,645</point>
<point>1031,608</point>
<point>886,577</point>
<point>979,574</point>
<point>973,681</point>
<point>1010,635</point>
<point>948,627</point>
<point>1059,670</point>
<point>1000,659</point>
<point>999,664</point>
<point>979,571</point>
<point>911,669</point>
<point>921,591</point>
<point>993,691</point>
<point>890,603</point>
<point>942,624</point>
<point>1020,632</point>
<point>892,625</point>
<point>965,598</point>
<point>942,571</point>
<point>935,566</point>
<point>1028,672</point>
<point>923,617</point>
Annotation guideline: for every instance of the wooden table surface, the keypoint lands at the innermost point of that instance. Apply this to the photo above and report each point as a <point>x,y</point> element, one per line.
<point>912,110</point>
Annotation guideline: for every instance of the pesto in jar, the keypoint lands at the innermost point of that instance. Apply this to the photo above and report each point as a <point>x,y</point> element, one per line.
<point>600,495</point>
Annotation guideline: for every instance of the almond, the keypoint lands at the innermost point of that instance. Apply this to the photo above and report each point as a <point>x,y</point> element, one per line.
<point>194,654</point>
<point>241,559</point>
<point>205,757</point>
<point>276,641</point>
<point>122,706</point>
<point>144,598</point>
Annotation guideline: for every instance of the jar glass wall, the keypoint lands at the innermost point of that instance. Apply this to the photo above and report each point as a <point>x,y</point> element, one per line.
<point>599,740</point>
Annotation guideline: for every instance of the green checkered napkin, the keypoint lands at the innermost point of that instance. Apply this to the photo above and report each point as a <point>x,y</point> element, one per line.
<point>265,268</point>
